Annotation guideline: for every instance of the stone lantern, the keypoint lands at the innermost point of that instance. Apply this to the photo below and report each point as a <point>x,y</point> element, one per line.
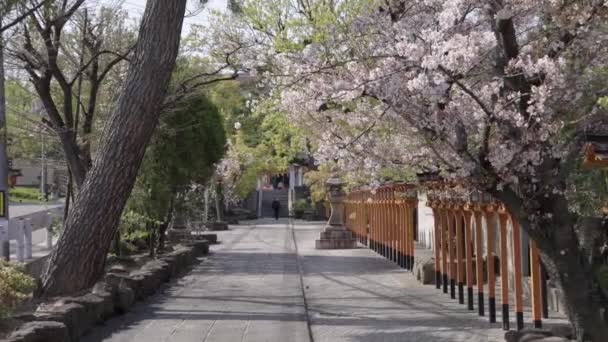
<point>336,235</point>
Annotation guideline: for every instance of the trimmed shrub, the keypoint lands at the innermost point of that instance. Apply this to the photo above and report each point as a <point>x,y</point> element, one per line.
<point>15,286</point>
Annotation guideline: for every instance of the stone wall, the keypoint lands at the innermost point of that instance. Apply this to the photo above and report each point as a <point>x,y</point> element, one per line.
<point>69,318</point>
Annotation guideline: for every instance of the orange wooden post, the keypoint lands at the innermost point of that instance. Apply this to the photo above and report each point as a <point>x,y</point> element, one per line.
<point>413,233</point>
<point>490,263</point>
<point>355,204</point>
<point>356,208</point>
<point>378,223</point>
<point>437,244</point>
<point>468,257</point>
<point>395,217</point>
<point>519,307</point>
<point>459,255</point>
<point>451,251</point>
<point>367,221</point>
<point>373,227</point>
<point>444,246</point>
<point>353,210</point>
<point>362,219</point>
<point>347,221</point>
<point>366,218</point>
<point>536,284</point>
<point>401,220</point>
<point>391,226</point>
<point>479,263</point>
<point>504,270</point>
<point>408,235</point>
<point>383,220</point>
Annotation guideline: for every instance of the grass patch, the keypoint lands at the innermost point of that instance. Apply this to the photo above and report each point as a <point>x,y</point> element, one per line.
<point>24,194</point>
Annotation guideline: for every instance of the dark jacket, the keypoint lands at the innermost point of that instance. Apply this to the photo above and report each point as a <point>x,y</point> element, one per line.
<point>276,205</point>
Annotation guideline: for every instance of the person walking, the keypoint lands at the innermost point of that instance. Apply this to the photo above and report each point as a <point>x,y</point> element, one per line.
<point>276,206</point>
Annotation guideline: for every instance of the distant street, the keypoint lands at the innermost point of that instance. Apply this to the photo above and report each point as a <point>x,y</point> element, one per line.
<point>17,210</point>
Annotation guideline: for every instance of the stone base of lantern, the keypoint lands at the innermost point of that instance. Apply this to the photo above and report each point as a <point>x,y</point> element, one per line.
<point>336,237</point>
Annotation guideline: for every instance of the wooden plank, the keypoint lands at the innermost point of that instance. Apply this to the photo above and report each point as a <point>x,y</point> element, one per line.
<point>468,258</point>
<point>504,270</point>
<point>535,285</point>
<point>412,211</point>
<point>479,263</point>
<point>459,255</point>
<point>489,215</point>
<point>436,247</point>
<point>519,307</point>
<point>444,248</point>
<point>451,252</point>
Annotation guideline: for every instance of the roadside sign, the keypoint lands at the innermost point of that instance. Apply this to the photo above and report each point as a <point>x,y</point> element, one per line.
<point>2,202</point>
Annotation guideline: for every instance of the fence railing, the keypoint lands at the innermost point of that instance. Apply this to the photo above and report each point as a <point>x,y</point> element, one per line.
<point>474,238</point>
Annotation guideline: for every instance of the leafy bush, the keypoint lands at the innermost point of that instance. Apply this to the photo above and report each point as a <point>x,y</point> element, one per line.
<point>15,285</point>
<point>134,225</point>
<point>301,204</point>
<point>25,194</point>
<point>56,226</point>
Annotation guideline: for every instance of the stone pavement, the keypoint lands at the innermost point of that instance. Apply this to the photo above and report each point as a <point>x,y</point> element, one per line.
<point>250,289</point>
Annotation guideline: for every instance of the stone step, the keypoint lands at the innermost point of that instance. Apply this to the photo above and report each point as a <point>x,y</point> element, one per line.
<point>337,234</point>
<point>336,243</point>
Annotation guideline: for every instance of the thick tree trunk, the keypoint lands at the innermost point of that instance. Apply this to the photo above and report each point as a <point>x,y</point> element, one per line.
<point>162,231</point>
<point>65,134</point>
<point>575,277</point>
<point>79,257</point>
<point>206,205</point>
<point>219,201</point>
<point>568,262</point>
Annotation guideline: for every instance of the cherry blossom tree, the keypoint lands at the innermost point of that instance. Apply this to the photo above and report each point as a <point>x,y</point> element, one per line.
<point>500,92</point>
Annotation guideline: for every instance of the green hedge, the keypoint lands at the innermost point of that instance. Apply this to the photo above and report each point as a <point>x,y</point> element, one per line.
<point>15,286</point>
<point>25,194</point>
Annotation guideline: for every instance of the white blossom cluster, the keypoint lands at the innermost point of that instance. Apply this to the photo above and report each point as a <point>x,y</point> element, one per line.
<point>438,82</point>
<point>470,86</point>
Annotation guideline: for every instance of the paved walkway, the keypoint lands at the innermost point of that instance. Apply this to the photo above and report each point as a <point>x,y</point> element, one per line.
<point>249,289</point>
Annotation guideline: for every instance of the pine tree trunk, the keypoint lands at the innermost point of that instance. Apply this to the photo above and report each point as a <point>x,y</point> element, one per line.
<point>79,258</point>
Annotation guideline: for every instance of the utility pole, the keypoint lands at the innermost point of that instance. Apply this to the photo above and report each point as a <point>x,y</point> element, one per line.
<point>4,173</point>
<point>43,173</point>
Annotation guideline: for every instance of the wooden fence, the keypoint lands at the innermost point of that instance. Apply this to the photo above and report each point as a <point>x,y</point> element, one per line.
<point>474,238</point>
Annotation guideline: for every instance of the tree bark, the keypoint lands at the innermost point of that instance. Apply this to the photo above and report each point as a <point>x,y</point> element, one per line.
<point>4,244</point>
<point>219,201</point>
<point>569,263</point>
<point>79,257</point>
<point>163,227</point>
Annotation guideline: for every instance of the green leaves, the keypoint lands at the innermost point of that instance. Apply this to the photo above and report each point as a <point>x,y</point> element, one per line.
<point>189,141</point>
<point>15,286</point>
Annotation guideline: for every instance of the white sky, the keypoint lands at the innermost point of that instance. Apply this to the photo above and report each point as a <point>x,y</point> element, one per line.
<point>136,9</point>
